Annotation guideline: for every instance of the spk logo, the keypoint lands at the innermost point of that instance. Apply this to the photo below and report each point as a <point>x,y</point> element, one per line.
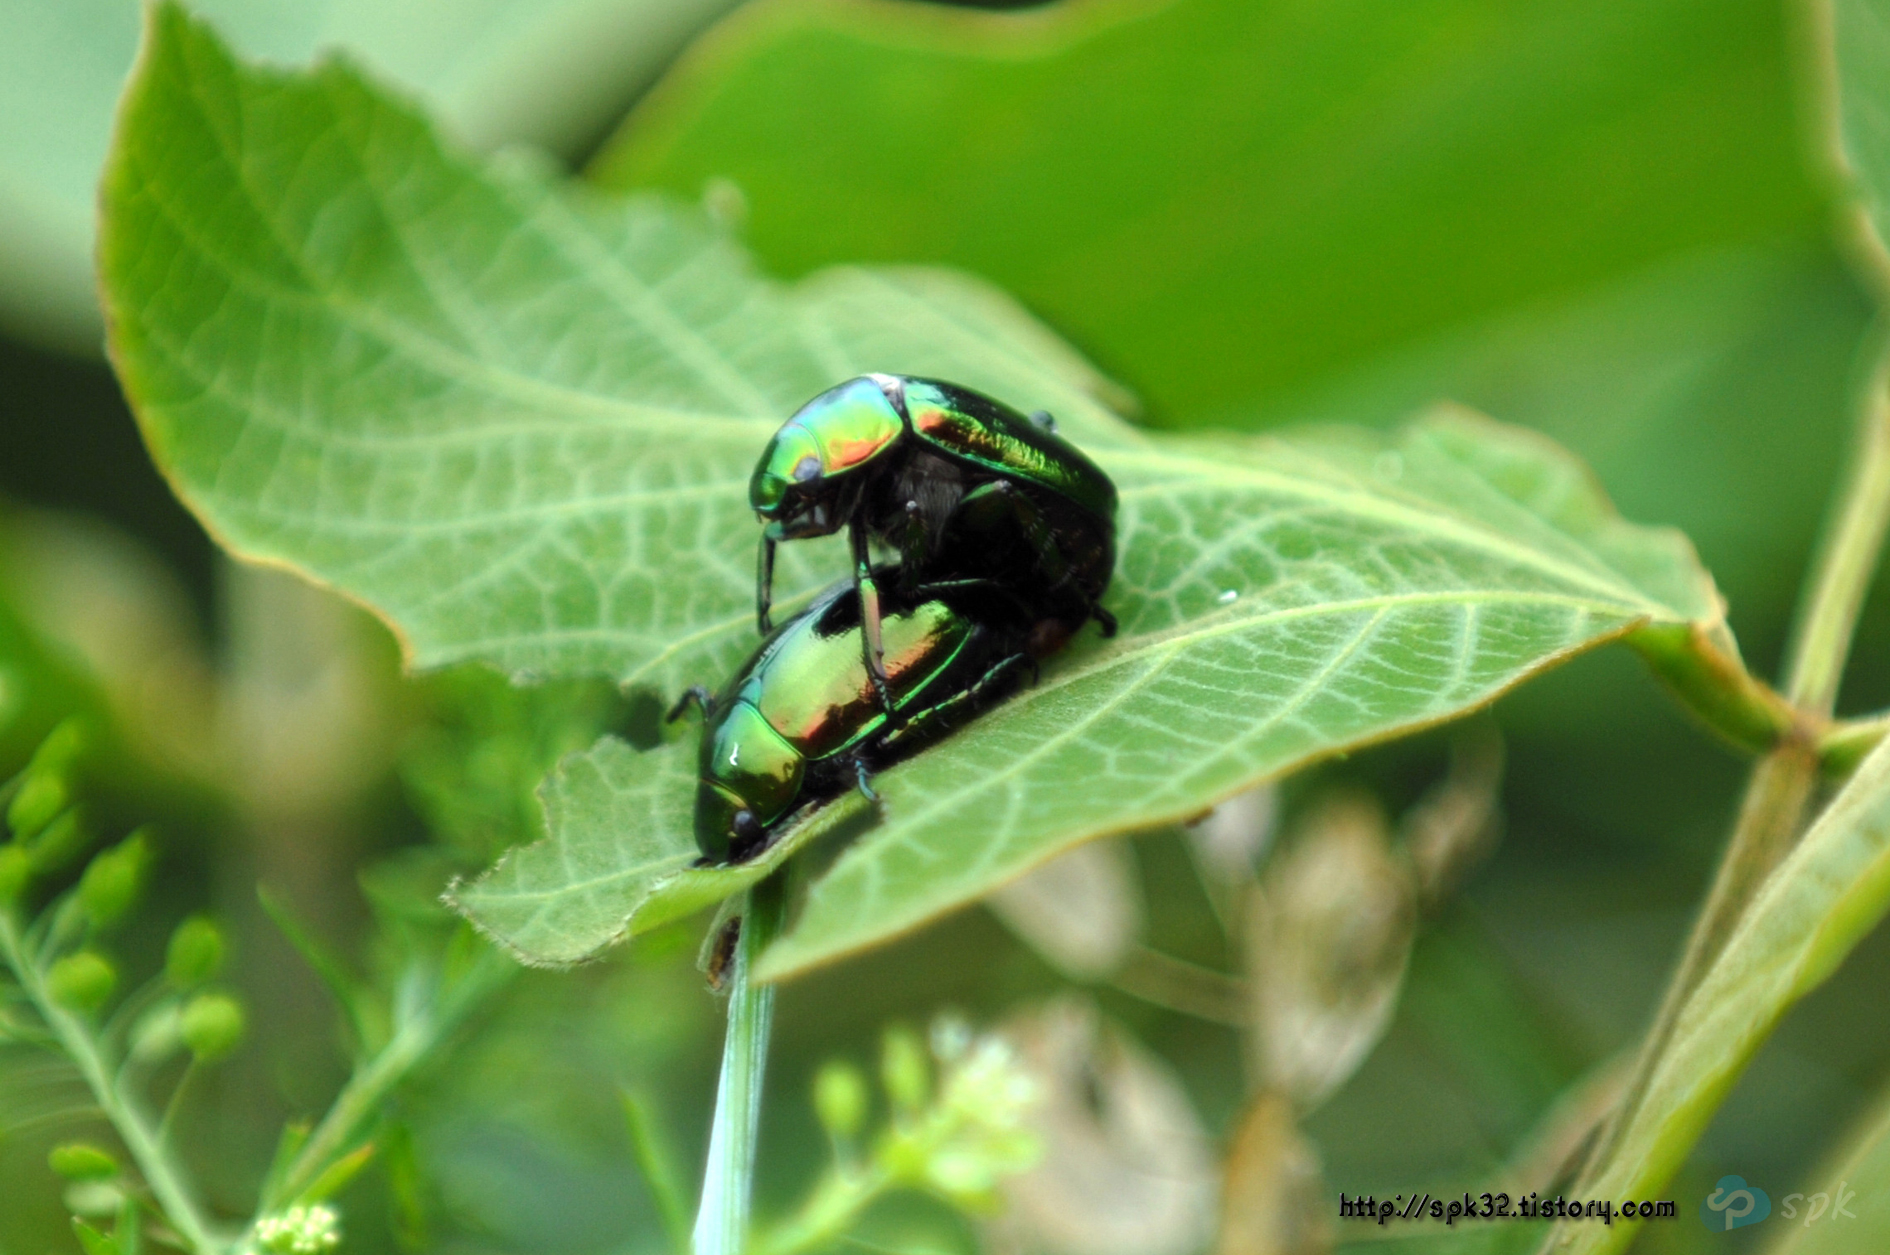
<point>1734,1204</point>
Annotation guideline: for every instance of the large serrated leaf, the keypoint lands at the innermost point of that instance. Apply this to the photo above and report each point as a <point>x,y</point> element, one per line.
<point>517,422</point>
<point>1282,600</point>
<point>517,419</point>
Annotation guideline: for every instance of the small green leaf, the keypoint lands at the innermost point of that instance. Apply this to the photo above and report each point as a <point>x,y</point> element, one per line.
<point>336,1176</point>
<point>94,1242</point>
<point>1831,890</point>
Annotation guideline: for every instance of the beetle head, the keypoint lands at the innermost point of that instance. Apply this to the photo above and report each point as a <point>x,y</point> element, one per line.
<point>750,777</point>
<point>798,482</point>
<point>725,827</point>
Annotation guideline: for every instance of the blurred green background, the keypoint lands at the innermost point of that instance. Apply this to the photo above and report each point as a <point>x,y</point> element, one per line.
<point>1605,222</point>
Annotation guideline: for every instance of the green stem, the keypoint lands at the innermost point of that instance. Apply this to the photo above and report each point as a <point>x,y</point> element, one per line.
<point>181,1208</point>
<point>362,1098</point>
<point>1845,744</point>
<point>839,1198</point>
<point>728,1177</point>
<point>1846,564</point>
<point>1782,781</point>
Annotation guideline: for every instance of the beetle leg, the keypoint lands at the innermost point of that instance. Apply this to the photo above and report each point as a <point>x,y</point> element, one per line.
<point>764,584</point>
<point>873,647</point>
<point>931,588</point>
<point>1103,617</point>
<point>923,722</point>
<point>694,693</point>
<point>863,780</point>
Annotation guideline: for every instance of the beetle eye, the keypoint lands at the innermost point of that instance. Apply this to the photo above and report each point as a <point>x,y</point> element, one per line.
<point>807,468</point>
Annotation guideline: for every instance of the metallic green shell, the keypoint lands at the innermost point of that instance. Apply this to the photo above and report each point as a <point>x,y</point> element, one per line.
<point>838,430</point>
<point>806,696</point>
<point>971,427</point>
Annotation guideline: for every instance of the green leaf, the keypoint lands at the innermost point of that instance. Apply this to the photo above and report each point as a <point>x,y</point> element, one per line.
<point>1283,599</point>
<point>1222,198</point>
<point>618,861</point>
<point>518,420</point>
<point>1822,900</point>
<point>1853,1213</point>
<point>1860,31</point>
<point>547,72</point>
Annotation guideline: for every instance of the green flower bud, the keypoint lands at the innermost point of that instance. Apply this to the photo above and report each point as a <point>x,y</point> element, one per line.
<point>47,788</point>
<point>62,747</point>
<point>82,1161</point>
<point>195,954</point>
<point>41,797</point>
<point>112,880</point>
<point>81,981</point>
<point>59,842</point>
<point>212,1025</point>
<point>840,1099</point>
<point>903,1068</point>
<point>16,872</point>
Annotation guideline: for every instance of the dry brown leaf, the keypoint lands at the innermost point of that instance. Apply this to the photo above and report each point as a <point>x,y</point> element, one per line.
<point>1127,1168</point>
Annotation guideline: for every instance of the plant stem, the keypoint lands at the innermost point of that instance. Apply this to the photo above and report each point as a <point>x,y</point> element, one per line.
<point>728,1177</point>
<point>1846,565</point>
<point>361,1098</point>
<point>181,1208</point>
<point>1845,743</point>
<point>1782,781</point>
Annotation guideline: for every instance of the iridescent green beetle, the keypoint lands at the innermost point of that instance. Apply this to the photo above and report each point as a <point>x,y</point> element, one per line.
<point>801,720</point>
<point>961,486</point>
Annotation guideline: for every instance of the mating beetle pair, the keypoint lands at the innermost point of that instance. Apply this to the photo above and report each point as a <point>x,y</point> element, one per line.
<point>959,485</point>
<point>1006,538</point>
